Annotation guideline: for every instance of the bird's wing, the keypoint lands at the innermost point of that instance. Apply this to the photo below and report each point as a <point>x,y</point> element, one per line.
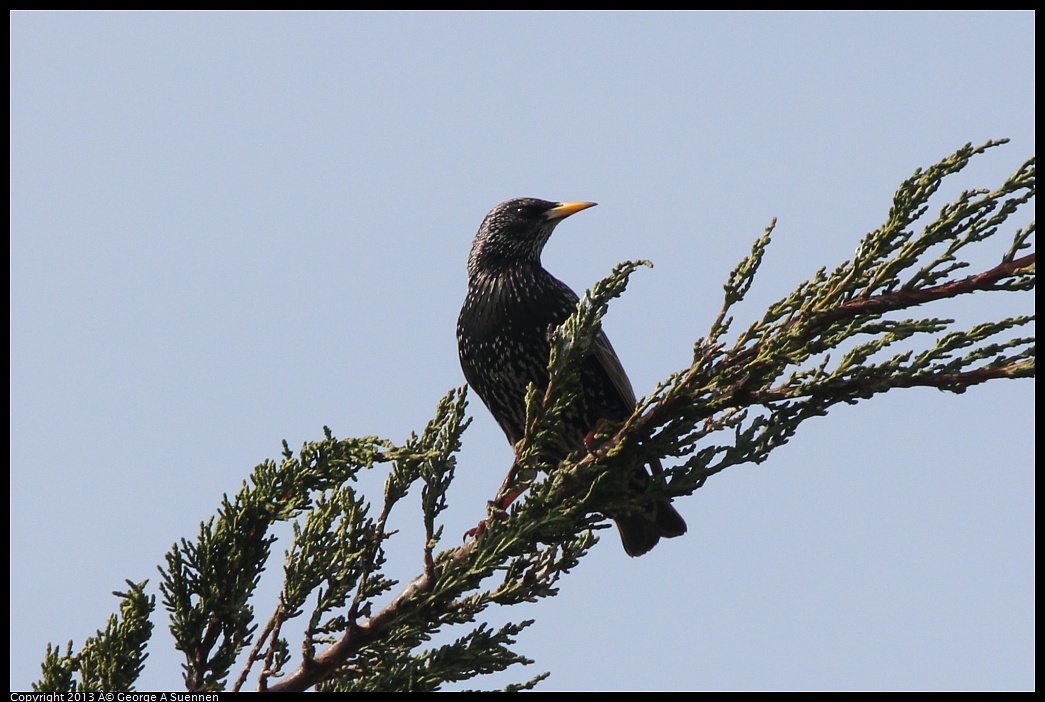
<point>603,352</point>
<point>603,355</point>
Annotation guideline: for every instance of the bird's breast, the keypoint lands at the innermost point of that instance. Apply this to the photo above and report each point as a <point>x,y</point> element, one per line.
<point>502,335</point>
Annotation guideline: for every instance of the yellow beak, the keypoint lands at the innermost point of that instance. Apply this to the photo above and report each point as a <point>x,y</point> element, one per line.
<point>565,209</point>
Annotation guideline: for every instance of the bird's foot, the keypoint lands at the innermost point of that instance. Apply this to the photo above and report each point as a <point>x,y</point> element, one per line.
<point>589,438</point>
<point>494,513</point>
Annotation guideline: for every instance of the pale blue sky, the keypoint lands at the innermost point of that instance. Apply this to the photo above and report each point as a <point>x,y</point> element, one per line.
<point>230,229</point>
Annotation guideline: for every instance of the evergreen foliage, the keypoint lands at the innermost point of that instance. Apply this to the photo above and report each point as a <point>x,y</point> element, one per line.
<point>835,339</point>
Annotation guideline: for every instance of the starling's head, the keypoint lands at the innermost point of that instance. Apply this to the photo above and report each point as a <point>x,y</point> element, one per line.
<point>516,232</point>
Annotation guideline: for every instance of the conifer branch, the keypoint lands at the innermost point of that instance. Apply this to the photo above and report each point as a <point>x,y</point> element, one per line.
<point>836,339</point>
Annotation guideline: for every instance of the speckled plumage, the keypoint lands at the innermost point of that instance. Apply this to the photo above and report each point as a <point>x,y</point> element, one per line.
<point>502,336</point>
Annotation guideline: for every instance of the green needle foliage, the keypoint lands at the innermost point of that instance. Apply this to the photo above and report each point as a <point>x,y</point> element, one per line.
<point>111,659</point>
<point>836,339</point>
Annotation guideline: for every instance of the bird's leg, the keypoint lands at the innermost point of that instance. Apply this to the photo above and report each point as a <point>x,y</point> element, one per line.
<point>512,487</point>
<point>589,438</point>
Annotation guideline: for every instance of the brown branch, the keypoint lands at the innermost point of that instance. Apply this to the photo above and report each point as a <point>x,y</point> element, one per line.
<point>740,394</point>
<point>877,384</point>
<point>255,652</point>
<point>326,664</point>
<point>409,603</point>
<point>902,299</point>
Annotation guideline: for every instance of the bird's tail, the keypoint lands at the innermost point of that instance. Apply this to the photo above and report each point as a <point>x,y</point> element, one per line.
<point>640,531</point>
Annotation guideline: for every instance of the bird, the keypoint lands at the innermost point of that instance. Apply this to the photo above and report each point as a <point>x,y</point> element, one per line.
<point>509,311</point>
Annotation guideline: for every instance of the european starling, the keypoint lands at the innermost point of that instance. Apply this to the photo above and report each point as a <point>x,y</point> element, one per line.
<point>502,337</point>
